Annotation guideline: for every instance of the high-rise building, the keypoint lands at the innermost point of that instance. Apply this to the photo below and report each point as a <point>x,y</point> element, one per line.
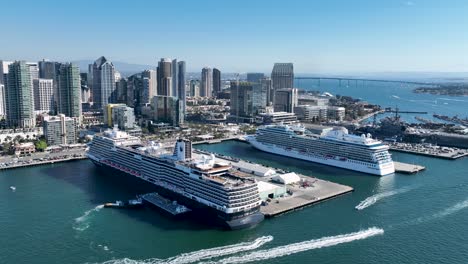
<point>69,91</point>
<point>181,80</point>
<point>3,85</point>
<point>216,81</point>
<point>85,91</point>
<point>167,82</point>
<point>149,86</point>
<point>103,85</point>
<point>4,71</point>
<point>43,95</point>
<point>121,87</point>
<point>19,96</point>
<point>247,99</point>
<point>259,98</point>
<point>194,88</point>
<point>59,130</point>
<point>117,76</point>
<point>90,79</point>
<point>134,87</point>
<point>206,86</point>
<point>167,109</point>
<point>285,100</point>
<point>122,116</point>
<point>33,70</point>
<point>175,79</point>
<point>48,69</point>
<point>2,101</point>
<point>255,77</point>
<point>165,77</point>
<point>182,93</point>
<point>282,76</point>
<point>268,86</point>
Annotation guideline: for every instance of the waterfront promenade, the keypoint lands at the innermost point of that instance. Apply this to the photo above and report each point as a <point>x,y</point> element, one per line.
<point>366,117</point>
<point>41,158</point>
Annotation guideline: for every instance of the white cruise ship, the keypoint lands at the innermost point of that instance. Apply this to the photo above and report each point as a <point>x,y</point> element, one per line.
<point>210,188</point>
<point>335,148</point>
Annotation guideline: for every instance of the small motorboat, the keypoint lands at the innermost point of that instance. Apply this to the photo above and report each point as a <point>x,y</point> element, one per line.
<point>13,188</point>
<point>117,204</point>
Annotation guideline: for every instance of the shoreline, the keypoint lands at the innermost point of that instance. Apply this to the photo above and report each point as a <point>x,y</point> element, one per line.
<point>41,158</point>
<point>45,162</point>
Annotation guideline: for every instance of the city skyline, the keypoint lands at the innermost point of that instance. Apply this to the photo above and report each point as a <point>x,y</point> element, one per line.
<point>335,37</point>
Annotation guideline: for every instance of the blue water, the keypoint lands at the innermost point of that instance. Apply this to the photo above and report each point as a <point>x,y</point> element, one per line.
<point>54,216</point>
<point>392,95</point>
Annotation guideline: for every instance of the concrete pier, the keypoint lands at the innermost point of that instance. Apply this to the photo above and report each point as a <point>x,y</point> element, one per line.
<point>219,140</point>
<point>407,168</point>
<point>308,191</point>
<point>319,191</point>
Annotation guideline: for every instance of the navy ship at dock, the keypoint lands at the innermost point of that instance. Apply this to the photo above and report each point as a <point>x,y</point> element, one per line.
<point>209,188</point>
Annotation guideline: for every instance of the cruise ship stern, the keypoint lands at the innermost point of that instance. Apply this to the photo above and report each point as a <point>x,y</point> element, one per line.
<point>245,222</point>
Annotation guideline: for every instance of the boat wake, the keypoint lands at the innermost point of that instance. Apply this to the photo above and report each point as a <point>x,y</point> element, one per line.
<point>199,255</point>
<point>255,255</point>
<point>446,212</point>
<point>441,214</point>
<point>454,100</point>
<point>82,222</point>
<point>453,209</point>
<point>294,248</point>
<point>376,197</point>
<point>396,96</point>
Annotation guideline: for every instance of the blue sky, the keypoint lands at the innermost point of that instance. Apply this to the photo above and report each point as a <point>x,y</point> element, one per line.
<point>238,36</point>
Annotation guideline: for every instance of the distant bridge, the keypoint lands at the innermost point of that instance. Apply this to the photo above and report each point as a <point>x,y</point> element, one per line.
<point>340,79</point>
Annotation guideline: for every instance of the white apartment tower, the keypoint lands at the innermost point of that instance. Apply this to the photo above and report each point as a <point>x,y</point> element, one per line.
<point>43,95</point>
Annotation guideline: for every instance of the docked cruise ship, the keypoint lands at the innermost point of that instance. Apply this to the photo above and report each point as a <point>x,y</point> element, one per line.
<point>206,186</point>
<point>335,148</point>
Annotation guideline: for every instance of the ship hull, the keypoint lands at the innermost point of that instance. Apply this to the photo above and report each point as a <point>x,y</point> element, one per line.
<point>384,169</point>
<point>200,211</point>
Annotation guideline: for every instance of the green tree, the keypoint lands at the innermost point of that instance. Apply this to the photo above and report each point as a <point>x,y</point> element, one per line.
<point>41,145</point>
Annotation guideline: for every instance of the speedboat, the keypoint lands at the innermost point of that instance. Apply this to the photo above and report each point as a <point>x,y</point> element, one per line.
<point>117,204</point>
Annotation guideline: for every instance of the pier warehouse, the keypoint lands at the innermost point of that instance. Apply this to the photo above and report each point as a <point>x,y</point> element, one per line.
<point>270,191</point>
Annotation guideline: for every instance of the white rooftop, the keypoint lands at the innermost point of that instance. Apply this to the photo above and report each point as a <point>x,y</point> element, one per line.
<point>287,178</point>
<point>265,186</point>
